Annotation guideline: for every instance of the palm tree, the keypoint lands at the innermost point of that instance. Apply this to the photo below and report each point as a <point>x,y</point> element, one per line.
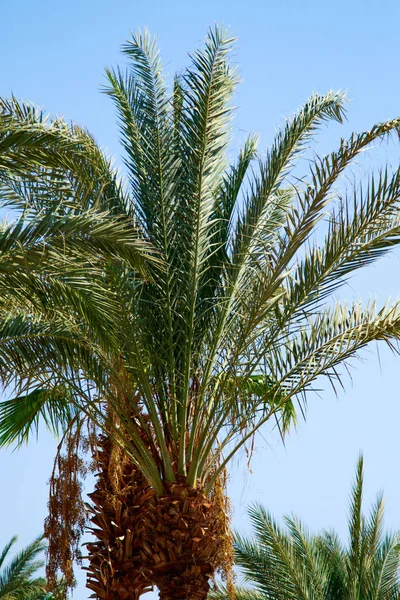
<point>293,564</point>
<point>17,581</point>
<point>220,321</point>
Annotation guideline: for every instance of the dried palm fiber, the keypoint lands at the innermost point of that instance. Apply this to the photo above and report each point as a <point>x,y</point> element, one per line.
<point>67,517</point>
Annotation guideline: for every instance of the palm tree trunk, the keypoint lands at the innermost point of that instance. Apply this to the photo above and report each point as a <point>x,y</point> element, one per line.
<point>184,586</point>
<point>189,539</point>
<point>176,541</point>
<point>119,503</point>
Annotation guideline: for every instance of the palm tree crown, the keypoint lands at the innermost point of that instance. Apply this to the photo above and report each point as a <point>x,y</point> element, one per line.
<point>180,309</point>
<point>292,564</point>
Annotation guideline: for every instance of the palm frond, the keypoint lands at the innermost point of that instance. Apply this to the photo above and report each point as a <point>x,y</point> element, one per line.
<point>21,415</point>
<point>290,141</point>
<point>241,593</point>
<point>6,549</point>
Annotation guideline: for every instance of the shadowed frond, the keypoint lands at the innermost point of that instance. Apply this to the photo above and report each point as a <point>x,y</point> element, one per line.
<point>20,415</point>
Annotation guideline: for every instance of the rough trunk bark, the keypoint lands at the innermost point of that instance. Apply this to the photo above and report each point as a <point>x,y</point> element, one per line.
<point>184,586</point>
<point>176,541</point>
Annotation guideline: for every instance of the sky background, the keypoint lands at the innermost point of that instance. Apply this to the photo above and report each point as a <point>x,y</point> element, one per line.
<point>54,54</point>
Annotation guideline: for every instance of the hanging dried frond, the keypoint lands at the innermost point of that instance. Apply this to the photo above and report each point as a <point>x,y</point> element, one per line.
<point>220,500</point>
<point>67,514</point>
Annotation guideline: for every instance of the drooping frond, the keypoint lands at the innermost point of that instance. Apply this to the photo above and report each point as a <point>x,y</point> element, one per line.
<point>20,415</point>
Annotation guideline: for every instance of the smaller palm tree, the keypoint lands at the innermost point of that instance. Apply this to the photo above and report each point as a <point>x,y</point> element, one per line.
<point>17,579</point>
<point>293,564</point>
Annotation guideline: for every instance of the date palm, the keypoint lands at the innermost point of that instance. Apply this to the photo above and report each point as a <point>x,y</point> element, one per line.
<point>291,563</point>
<point>18,578</point>
<point>219,321</point>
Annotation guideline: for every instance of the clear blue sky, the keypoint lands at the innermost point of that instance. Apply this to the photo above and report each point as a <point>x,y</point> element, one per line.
<point>54,54</point>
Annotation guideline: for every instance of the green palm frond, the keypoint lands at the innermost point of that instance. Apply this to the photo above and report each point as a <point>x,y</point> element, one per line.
<point>17,579</point>
<point>20,415</point>
<point>277,574</point>
<point>356,521</point>
<point>290,141</point>
<point>384,579</point>
<point>31,349</point>
<point>241,593</point>
<point>6,549</point>
<point>28,137</point>
<point>330,339</point>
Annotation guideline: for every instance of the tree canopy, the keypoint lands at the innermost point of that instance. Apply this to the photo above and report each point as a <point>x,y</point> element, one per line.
<point>179,305</point>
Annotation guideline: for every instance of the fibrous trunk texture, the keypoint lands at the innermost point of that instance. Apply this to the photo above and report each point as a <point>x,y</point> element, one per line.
<point>188,587</point>
<point>187,538</point>
<point>120,499</point>
<point>176,541</point>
